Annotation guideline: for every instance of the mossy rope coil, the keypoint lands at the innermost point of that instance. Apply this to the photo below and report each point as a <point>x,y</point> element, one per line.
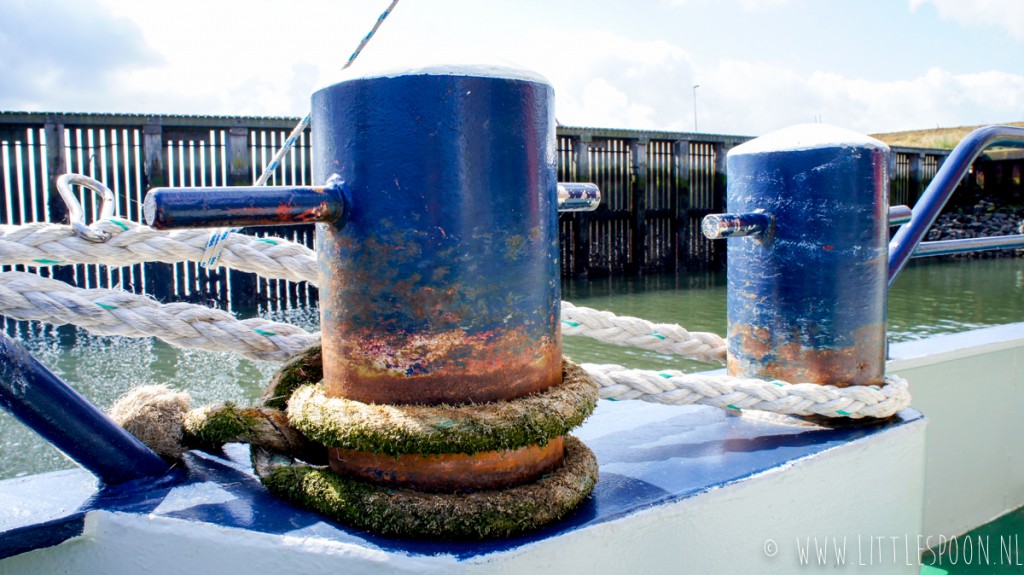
<point>440,429</point>
<point>405,429</point>
<point>448,516</point>
<point>314,422</point>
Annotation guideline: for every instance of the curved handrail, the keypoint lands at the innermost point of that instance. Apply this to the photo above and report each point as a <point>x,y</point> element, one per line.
<point>928,207</point>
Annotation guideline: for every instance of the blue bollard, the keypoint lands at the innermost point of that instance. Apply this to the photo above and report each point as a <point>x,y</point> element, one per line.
<point>438,241</point>
<point>807,289</point>
<point>40,400</point>
<point>437,247</point>
<point>444,281</point>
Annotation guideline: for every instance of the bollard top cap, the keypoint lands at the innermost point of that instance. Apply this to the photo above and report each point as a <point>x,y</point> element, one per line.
<point>808,137</point>
<point>476,70</point>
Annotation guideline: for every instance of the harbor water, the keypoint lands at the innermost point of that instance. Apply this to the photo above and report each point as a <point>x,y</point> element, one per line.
<point>931,297</point>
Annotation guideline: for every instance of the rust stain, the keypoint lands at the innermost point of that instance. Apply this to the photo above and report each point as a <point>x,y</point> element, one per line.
<point>451,367</point>
<point>783,356</point>
<point>454,472</point>
<point>433,316</point>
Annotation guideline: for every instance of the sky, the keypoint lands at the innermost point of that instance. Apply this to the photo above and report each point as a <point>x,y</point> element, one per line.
<point>760,65</point>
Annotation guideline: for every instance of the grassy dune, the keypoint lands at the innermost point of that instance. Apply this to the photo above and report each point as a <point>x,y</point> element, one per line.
<point>939,138</point>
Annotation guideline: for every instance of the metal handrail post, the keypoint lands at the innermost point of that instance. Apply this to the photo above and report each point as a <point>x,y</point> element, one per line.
<point>928,207</point>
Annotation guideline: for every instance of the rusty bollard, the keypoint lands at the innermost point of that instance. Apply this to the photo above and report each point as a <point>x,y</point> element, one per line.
<point>807,263</point>
<point>437,244</point>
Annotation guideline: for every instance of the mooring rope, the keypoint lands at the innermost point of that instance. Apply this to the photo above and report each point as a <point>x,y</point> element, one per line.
<point>41,244</point>
<point>25,296</point>
<point>635,332</point>
<point>727,392</point>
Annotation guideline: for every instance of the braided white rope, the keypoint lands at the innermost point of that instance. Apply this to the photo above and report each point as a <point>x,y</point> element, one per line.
<point>42,244</point>
<point>727,392</point>
<point>130,243</point>
<point>112,312</point>
<point>26,296</point>
<point>635,332</point>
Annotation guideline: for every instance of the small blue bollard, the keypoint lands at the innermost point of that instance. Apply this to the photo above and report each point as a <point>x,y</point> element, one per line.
<point>807,292</point>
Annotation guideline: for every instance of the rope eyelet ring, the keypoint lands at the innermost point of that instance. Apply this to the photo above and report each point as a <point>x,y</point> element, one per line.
<point>76,215</point>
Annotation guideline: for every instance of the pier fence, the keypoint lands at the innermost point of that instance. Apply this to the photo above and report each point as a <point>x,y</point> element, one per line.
<point>657,186</point>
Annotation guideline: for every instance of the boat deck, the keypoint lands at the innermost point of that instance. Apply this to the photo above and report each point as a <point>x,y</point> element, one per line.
<point>652,457</point>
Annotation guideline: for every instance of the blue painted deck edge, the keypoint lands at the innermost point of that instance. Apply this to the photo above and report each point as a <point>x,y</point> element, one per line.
<point>46,534</point>
<point>651,456</point>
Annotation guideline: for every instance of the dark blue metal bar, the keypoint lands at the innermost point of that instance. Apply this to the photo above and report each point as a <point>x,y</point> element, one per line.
<point>241,206</point>
<point>905,242</point>
<point>40,400</point>
<point>244,206</point>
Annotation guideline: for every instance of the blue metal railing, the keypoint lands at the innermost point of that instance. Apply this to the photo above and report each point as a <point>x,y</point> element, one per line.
<point>907,241</point>
<point>39,399</point>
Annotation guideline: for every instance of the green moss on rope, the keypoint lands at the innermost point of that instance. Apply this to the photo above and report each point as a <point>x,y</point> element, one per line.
<point>430,430</point>
<point>217,424</point>
<point>305,367</point>
<point>408,513</point>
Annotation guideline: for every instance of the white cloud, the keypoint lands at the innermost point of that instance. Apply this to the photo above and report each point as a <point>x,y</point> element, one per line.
<point>937,98</point>
<point>1007,15</point>
<point>607,80</point>
<point>744,97</point>
<point>66,56</point>
<point>229,61</point>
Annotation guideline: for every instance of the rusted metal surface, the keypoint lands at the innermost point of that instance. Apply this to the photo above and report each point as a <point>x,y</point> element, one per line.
<point>807,301</point>
<point>453,367</point>
<point>777,355</point>
<point>456,472</point>
<point>443,285</point>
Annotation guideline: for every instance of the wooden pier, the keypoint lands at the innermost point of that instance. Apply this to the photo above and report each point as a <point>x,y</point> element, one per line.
<point>657,186</point>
